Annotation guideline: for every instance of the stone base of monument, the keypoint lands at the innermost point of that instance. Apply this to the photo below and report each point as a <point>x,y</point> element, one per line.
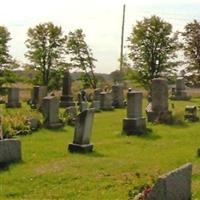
<point>53,125</point>
<point>134,126</point>
<point>116,104</point>
<point>84,148</point>
<point>184,98</point>
<point>107,108</point>
<point>180,95</point>
<point>13,105</point>
<point>66,101</point>
<point>161,117</point>
<point>10,151</point>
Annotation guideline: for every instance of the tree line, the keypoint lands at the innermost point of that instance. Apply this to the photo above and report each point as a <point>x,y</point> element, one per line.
<point>152,51</point>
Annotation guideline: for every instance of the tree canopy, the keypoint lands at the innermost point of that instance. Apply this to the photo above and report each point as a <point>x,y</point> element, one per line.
<point>191,46</point>
<point>152,48</point>
<point>45,45</point>
<point>81,57</point>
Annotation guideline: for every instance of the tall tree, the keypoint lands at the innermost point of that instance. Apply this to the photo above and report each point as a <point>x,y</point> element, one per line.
<point>81,56</point>
<point>6,61</point>
<point>191,46</point>
<point>152,47</point>
<point>45,45</point>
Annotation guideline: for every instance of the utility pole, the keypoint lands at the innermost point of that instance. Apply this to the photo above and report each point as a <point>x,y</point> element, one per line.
<point>122,41</point>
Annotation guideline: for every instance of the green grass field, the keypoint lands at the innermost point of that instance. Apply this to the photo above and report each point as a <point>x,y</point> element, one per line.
<point>118,164</point>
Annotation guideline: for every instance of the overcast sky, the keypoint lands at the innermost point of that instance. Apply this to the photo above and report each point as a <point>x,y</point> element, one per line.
<point>100,21</point>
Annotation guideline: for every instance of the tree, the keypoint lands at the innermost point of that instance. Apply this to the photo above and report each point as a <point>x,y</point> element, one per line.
<point>81,57</point>
<point>152,47</point>
<point>45,45</point>
<point>191,47</point>
<point>6,61</point>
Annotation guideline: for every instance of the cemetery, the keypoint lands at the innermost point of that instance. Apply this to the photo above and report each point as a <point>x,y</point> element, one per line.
<point>109,151</point>
<point>70,132</point>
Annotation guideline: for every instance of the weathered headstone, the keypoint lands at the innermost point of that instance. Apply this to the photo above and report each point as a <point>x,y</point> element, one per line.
<point>96,106</point>
<point>10,151</point>
<point>97,94</point>
<point>96,100</point>
<point>83,130</point>
<point>180,90</point>
<point>157,110</point>
<point>13,98</point>
<point>66,99</point>
<point>70,114</point>
<point>50,109</point>
<point>106,101</point>
<point>175,185</point>
<point>38,93</point>
<point>118,96</point>
<point>134,123</point>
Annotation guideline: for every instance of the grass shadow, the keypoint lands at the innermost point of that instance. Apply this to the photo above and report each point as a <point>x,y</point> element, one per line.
<point>97,154</point>
<point>150,135</point>
<point>6,166</point>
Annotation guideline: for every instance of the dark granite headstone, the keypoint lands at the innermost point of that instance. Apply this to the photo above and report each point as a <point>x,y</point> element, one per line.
<point>66,99</point>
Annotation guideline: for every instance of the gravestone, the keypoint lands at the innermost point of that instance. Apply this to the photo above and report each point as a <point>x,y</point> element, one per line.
<point>179,92</point>
<point>97,94</point>
<point>96,100</point>
<point>13,98</point>
<point>157,110</point>
<point>106,101</point>
<point>118,96</point>
<point>10,151</point>
<point>175,185</point>
<point>83,130</point>
<point>70,114</point>
<point>134,123</point>
<point>66,99</point>
<point>38,93</point>
<point>50,109</point>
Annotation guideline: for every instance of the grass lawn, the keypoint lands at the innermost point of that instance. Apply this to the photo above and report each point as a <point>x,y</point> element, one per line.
<point>117,165</point>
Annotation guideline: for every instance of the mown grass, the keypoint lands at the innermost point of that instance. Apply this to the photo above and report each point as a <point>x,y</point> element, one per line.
<point>117,165</point>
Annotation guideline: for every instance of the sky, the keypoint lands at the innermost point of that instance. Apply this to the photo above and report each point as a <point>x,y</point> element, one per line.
<point>100,20</point>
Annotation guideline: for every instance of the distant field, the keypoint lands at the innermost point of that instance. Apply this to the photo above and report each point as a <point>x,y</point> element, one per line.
<point>117,165</point>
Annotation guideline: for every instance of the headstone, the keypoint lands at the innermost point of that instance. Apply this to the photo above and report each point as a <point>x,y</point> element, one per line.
<point>96,100</point>
<point>96,105</point>
<point>10,151</point>
<point>118,96</point>
<point>13,98</point>
<point>134,123</point>
<point>70,114</point>
<point>33,123</point>
<point>66,99</point>
<point>179,92</point>
<point>97,94</point>
<point>106,101</point>
<point>50,109</point>
<point>83,130</point>
<point>157,110</point>
<point>38,93</point>
<point>175,185</point>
